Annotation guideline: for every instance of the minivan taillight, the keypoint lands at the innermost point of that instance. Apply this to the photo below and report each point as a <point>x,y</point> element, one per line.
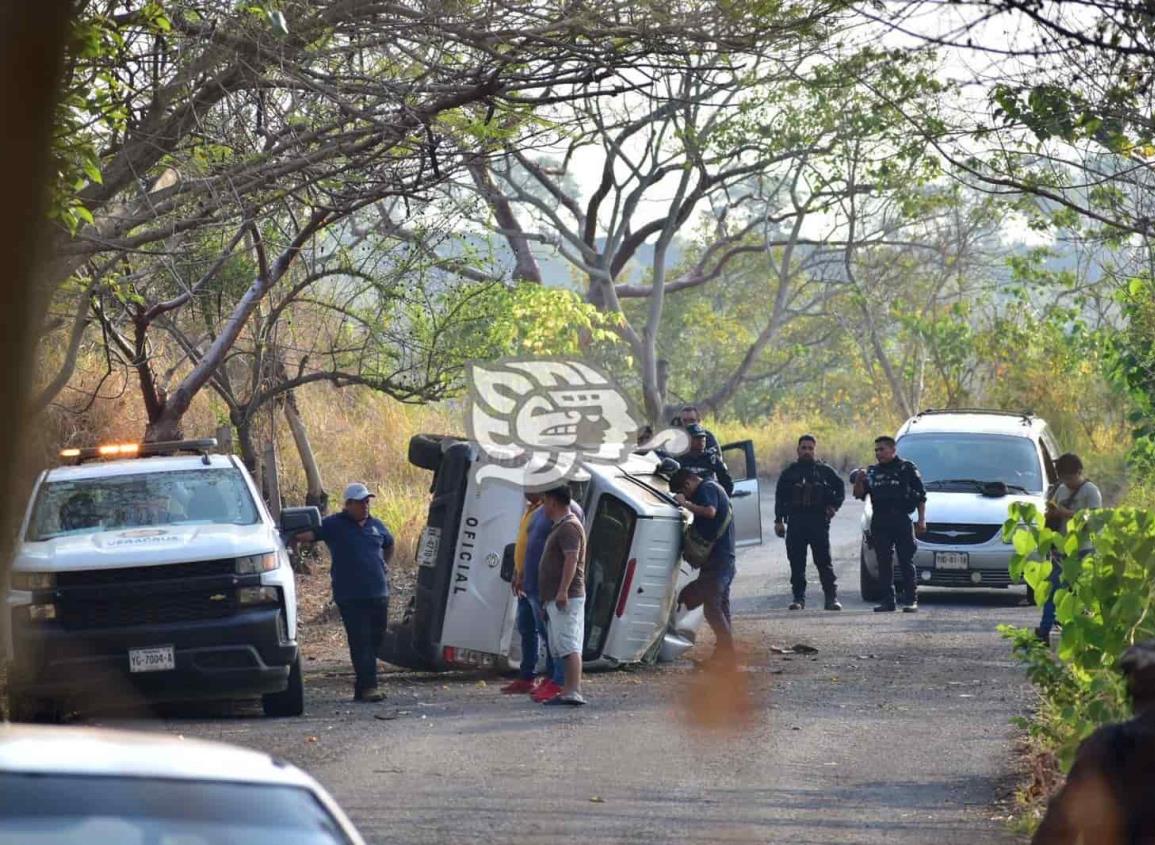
<point>627,582</point>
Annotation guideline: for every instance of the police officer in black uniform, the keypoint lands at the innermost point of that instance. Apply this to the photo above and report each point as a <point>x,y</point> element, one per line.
<point>808,495</point>
<point>895,490</point>
<point>704,461</point>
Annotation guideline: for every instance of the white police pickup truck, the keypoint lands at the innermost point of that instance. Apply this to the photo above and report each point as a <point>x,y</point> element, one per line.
<point>146,574</point>
<point>463,610</point>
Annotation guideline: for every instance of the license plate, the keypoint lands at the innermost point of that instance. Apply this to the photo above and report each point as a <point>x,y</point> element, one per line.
<point>951,560</point>
<point>427,548</point>
<point>157,659</point>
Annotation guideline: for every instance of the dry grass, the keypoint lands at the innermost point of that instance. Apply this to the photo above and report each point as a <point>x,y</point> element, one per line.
<point>1040,778</point>
<point>842,446</point>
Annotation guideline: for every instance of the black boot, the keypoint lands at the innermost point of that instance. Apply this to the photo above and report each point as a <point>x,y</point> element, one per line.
<point>832,602</point>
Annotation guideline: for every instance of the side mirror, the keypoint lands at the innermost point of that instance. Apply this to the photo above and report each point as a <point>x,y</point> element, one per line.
<point>295,520</point>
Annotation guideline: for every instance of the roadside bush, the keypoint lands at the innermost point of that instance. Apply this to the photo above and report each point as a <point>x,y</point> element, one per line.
<point>1105,605</point>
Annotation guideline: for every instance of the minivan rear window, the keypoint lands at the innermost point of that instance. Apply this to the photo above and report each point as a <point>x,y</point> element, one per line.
<point>216,495</point>
<point>943,456</point>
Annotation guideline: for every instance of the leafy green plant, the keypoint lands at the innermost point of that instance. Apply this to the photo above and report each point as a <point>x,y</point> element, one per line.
<point>1104,605</point>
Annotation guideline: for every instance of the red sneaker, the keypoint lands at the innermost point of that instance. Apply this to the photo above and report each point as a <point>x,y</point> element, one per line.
<point>521,685</point>
<point>547,690</point>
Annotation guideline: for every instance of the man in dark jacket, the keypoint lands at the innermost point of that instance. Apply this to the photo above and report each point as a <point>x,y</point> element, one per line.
<point>808,495</point>
<point>895,489</point>
<point>689,416</point>
<point>705,461</point>
<point>1107,797</point>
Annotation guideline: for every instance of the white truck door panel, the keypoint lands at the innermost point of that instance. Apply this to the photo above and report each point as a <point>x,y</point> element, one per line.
<point>642,611</point>
<point>747,496</point>
<point>480,611</point>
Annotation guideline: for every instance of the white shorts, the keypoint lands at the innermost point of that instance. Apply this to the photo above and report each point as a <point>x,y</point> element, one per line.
<point>567,627</point>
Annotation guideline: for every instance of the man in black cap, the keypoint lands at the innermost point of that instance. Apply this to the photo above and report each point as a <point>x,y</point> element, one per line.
<point>705,461</point>
<point>808,495</point>
<point>689,416</point>
<point>1107,796</point>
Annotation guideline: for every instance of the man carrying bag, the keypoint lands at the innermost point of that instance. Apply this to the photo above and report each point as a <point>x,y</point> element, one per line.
<point>708,546</point>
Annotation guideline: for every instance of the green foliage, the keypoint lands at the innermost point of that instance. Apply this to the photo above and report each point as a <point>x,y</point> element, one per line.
<point>1105,605</point>
<point>531,319</point>
<point>1131,360</point>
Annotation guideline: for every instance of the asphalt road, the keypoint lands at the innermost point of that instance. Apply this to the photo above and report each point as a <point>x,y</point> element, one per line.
<point>896,730</point>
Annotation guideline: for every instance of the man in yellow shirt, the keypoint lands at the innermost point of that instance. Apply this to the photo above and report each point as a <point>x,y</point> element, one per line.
<point>527,622</point>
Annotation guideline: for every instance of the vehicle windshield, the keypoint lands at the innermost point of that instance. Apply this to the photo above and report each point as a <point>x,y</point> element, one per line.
<point>185,497</point>
<point>55,809</point>
<point>956,460</point>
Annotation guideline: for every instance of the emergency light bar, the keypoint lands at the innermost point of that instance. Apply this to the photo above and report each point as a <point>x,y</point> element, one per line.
<point>134,450</point>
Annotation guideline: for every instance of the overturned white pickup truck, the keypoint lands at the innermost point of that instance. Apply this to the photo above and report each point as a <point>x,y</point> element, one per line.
<point>463,610</point>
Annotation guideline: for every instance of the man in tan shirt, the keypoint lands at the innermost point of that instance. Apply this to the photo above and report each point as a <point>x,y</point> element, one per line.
<point>563,591</point>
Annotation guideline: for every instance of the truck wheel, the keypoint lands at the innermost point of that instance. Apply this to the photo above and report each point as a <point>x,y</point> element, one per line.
<point>23,708</point>
<point>397,648</point>
<point>425,450</point>
<point>291,702</point>
<point>871,590</point>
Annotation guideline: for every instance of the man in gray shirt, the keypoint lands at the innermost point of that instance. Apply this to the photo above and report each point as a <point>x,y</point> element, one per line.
<point>1073,493</point>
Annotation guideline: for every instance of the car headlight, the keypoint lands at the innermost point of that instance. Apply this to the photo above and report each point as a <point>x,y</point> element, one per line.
<point>33,580</point>
<point>258,595</point>
<point>256,564</point>
<point>42,612</point>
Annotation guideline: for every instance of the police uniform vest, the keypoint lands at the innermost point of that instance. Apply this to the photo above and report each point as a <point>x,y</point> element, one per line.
<point>808,489</point>
<point>891,489</point>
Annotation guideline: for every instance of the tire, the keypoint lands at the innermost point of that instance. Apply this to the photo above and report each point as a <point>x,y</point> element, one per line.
<point>23,708</point>
<point>397,648</point>
<point>425,450</point>
<point>871,589</point>
<point>290,702</point>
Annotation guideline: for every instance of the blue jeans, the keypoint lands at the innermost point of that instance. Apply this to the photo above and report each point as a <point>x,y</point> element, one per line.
<point>527,627</point>
<point>554,669</point>
<point>1056,579</point>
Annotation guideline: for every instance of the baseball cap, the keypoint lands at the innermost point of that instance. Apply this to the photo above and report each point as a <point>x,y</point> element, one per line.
<point>356,492</point>
<point>695,430</point>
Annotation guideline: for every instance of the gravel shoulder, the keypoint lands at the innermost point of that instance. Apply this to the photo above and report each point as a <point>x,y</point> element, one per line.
<point>896,729</point>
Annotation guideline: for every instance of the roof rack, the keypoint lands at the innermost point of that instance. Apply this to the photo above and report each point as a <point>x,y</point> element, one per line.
<point>1025,416</point>
<point>141,450</point>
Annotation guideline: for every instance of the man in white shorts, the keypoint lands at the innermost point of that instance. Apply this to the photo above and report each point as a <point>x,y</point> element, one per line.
<point>562,586</point>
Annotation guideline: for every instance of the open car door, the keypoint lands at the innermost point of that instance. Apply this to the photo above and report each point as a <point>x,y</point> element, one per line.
<point>747,498</point>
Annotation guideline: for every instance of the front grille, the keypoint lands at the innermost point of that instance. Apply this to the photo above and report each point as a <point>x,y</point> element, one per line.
<point>958,534</point>
<point>155,609</point>
<point>962,578</point>
<point>138,574</point>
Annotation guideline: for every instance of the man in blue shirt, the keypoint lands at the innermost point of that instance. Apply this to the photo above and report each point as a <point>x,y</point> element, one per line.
<point>360,547</point>
<point>713,520</point>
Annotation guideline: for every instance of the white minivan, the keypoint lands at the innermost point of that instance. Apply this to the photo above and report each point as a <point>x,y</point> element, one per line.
<point>143,573</point>
<point>974,463</point>
<point>463,611</point>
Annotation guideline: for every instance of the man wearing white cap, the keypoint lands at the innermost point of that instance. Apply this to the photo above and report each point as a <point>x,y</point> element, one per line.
<point>360,547</point>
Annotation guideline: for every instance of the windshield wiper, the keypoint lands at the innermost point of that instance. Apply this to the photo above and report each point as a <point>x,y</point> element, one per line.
<point>943,482</point>
<point>976,483</point>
